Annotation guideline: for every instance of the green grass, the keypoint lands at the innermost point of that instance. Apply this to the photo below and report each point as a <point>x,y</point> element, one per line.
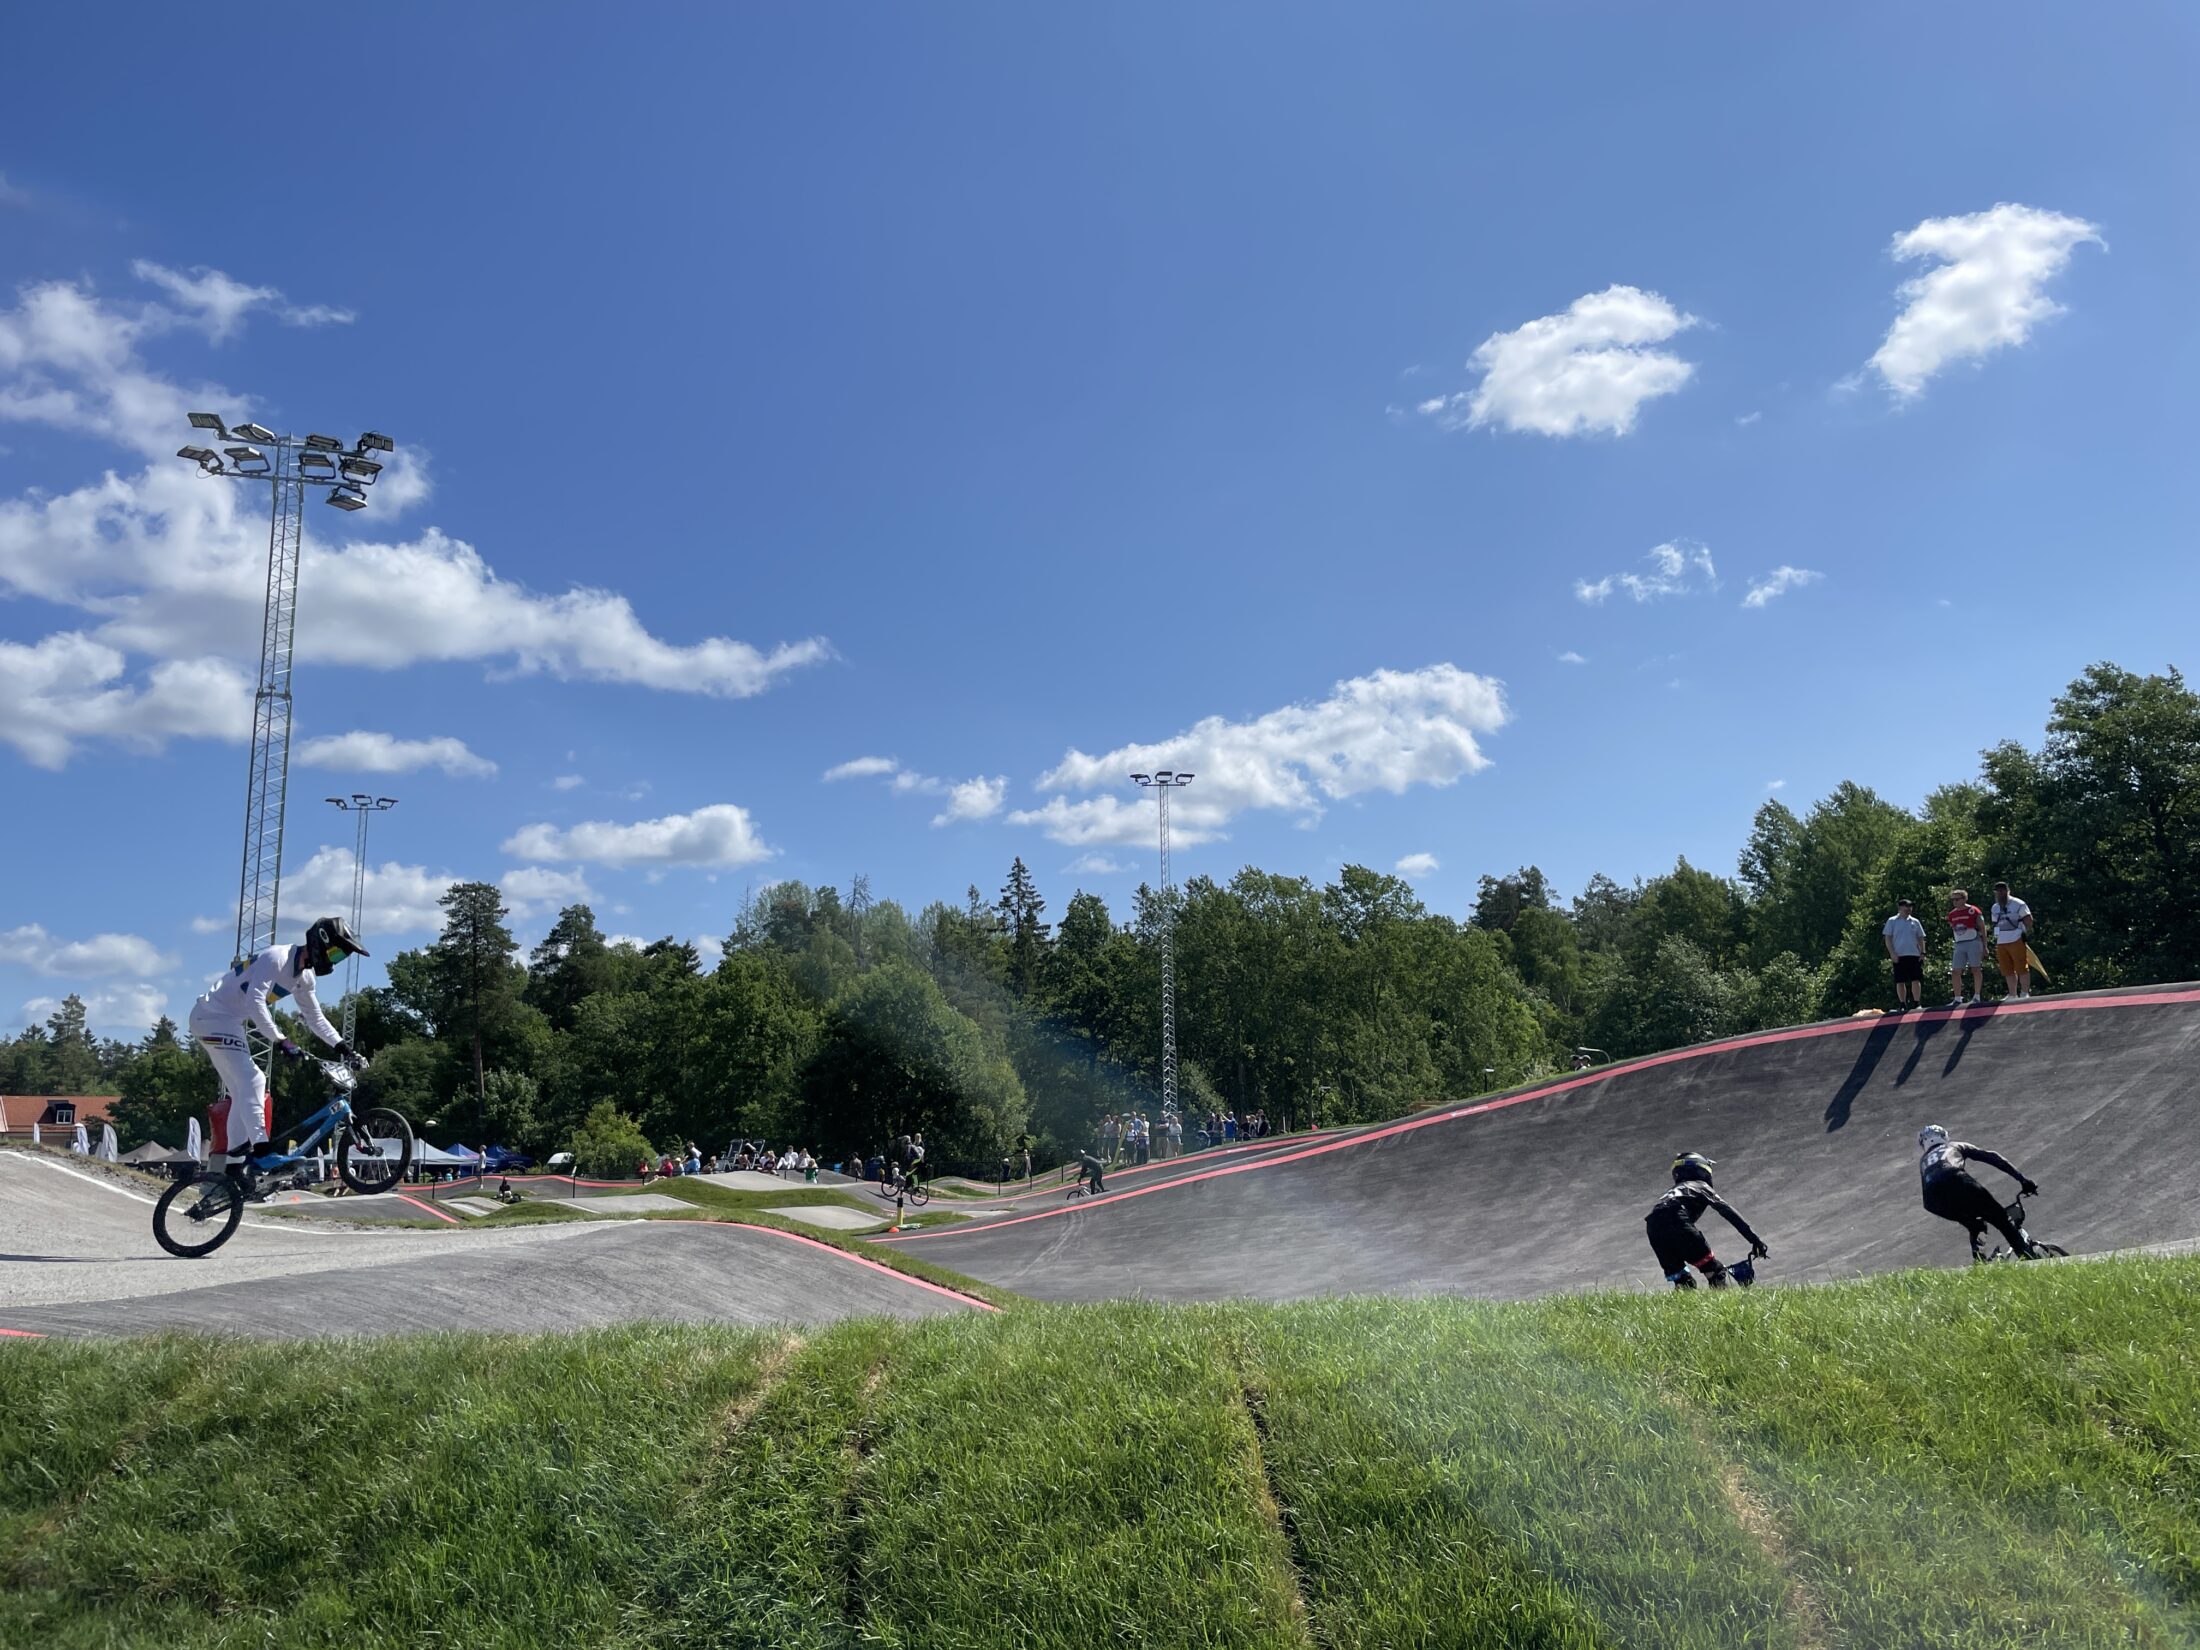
<point>2004,1457</point>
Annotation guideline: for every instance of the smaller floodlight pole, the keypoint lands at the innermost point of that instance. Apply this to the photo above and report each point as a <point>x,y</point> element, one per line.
<point>1161,784</point>
<point>365,807</point>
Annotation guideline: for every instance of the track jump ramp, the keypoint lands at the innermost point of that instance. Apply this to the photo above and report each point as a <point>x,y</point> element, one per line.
<point>1543,1189</point>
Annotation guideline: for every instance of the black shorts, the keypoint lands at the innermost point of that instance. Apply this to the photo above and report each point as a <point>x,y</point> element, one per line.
<point>1960,1198</point>
<point>1908,968</point>
<point>1676,1244</point>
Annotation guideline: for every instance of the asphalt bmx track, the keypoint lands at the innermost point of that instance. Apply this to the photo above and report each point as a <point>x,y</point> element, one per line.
<point>1544,1189</point>
<point>77,1257</point>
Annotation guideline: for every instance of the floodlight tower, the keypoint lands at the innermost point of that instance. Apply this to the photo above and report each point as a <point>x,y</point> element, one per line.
<point>289,465</point>
<point>365,807</point>
<point>1161,784</point>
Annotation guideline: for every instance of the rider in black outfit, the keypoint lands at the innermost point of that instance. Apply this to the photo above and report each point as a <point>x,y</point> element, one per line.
<point>1671,1224</point>
<point>1090,1168</point>
<point>1954,1193</point>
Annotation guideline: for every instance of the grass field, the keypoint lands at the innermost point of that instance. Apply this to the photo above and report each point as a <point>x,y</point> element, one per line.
<point>2004,1457</point>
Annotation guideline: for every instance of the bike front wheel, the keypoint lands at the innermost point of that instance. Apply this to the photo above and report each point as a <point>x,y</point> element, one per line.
<point>195,1217</point>
<point>919,1196</point>
<point>374,1150</point>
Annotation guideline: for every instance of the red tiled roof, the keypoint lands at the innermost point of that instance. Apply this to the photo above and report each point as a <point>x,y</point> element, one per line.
<point>19,1111</point>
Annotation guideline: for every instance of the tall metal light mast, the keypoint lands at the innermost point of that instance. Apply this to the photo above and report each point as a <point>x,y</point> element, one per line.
<point>1161,784</point>
<point>365,807</point>
<point>289,465</point>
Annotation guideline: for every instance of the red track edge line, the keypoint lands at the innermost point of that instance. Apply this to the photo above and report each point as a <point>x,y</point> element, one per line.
<point>1762,1039</point>
<point>429,1208</point>
<point>24,1334</point>
<point>842,1254</point>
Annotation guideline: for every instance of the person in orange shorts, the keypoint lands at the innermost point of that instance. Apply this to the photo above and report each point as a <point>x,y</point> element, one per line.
<point>2012,920</point>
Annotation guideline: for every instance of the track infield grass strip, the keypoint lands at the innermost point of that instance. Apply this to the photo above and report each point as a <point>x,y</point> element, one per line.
<point>2004,1457</point>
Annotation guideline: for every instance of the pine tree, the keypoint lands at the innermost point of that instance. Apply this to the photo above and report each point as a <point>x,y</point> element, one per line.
<point>1020,907</point>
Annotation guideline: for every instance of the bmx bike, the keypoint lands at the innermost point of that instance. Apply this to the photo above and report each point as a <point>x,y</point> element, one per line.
<point>2033,1249</point>
<point>374,1148</point>
<point>914,1188</point>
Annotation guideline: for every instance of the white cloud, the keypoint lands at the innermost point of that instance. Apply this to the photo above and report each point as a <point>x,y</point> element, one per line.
<point>537,890</point>
<point>567,782</point>
<point>100,957</point>
<point>361,752</point>
<point>1677,568</point>
<point>213,925</point>
<point>1777,583</point>
<point>67,688</point>
<point>13,194</point>
<point>1775,784</point>
<point>1586,370</point>
<point>1570,657</point>
<point>1416,865</point>
<point>973,799</point>
<point>121,1011</point>
<point>721,834</point>
<point>1985,293</point>
<point>1748,418</point>
<point>628,942</point>
<point>216,303</point>
<point>863,767</point>
<point>711,949</point>
<point>398,899</point>
<point>1097,865</point>
<point>967,799</point>
<point>1387,731</point>
<point>167,564</point>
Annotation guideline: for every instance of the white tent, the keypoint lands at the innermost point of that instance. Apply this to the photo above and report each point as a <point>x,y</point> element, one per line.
<point>107,1143</point>
<point>195,1143</point>
<point>82,1144</point>
<point>37,1139</point>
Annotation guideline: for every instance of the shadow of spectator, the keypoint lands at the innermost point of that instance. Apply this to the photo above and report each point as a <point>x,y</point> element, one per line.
<point>1972,1019</point>
<point>1926,1030</point>
<point>1867,1061</point>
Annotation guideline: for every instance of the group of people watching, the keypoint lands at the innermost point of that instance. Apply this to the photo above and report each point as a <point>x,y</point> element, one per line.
<point>1132,1139</point>
<point>2008,920</point>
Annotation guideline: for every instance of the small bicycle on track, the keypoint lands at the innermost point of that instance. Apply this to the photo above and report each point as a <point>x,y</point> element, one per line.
<point>374,1148</point>
<point>2034,1248</point>
<point>918,1195</point>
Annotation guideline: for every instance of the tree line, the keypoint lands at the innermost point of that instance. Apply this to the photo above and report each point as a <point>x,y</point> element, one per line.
<point>838,1022</point>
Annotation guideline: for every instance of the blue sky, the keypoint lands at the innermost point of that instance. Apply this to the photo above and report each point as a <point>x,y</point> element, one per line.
<point>1018,395</point>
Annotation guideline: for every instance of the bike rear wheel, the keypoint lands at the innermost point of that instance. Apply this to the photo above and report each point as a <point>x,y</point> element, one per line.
<point>919,1196</point>
<point>2048,1251</point>
<point>196,1217</point>
<point>374,1150</point>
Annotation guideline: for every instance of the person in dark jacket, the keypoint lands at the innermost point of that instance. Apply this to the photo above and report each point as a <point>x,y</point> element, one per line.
<point>1671,1225</point>
<point>1954,1193</point>
<point>1090,1168</point>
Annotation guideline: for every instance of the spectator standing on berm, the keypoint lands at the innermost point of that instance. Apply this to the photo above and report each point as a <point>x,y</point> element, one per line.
<point>1904,937</point>
<point>2012,920</point>
<point>1968,923</point>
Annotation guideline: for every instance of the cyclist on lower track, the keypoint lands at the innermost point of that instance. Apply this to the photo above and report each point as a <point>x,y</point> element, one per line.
<point>1671,1225</point>
<point>239,1004</point>
<point>1091,1168</point>
<point>1954,1193</point>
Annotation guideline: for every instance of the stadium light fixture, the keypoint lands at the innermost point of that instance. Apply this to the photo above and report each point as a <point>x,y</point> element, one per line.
<point>323,444</point>
<point>253,432</point>
<point>360,469</point>
<point>207,421</point>
<point>318,465</point>
<point>347,498</point>
<point>375,442</point>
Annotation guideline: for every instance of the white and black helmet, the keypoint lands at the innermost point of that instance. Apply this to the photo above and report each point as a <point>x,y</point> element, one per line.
<point>1931,1135</point>
<point>328,942</point>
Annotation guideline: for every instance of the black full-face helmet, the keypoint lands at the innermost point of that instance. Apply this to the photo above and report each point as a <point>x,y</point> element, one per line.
<point>1691,1166</point>
<point>328,942</point>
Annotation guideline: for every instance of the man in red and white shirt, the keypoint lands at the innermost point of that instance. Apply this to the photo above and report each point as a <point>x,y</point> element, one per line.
<point>1969,925</point>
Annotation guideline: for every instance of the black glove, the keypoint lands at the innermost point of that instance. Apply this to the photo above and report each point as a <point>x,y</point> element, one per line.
<point>289,1050</point>
<point>2030,1188</point>
<point>349,1055</point>
<point>1758,1251</point>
